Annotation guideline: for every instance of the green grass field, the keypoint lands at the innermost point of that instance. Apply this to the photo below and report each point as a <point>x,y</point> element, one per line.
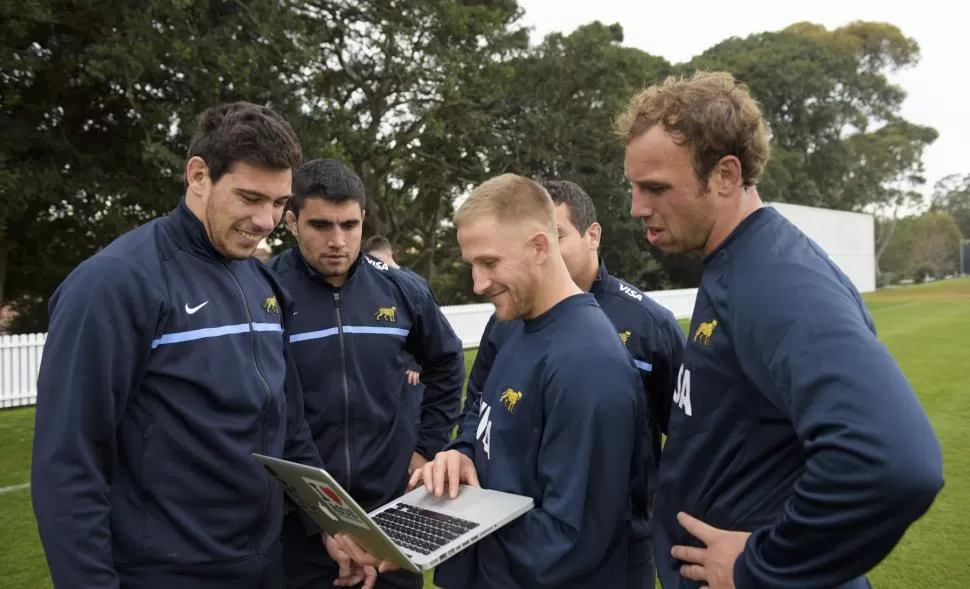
<point>927,329</point>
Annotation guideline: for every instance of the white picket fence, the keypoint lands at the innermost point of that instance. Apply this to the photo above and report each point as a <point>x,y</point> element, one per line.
<point>469,321</point>
<point>19,363</point>
<point>20,354</point>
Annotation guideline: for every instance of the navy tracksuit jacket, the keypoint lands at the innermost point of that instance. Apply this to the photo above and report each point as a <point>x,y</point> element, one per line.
<point>351,345</point>
<point>165,367</point>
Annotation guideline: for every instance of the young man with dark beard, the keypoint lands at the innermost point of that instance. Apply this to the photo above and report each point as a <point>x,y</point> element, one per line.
<point>357,326</point>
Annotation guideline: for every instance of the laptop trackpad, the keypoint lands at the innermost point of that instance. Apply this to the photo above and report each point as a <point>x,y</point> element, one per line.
<point>467,498</point>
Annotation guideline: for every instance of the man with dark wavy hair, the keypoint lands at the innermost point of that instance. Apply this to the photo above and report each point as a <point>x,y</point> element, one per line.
<point>165,367</point>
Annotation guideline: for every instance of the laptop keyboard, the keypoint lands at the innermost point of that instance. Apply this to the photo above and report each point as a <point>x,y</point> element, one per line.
<point>421,530</point>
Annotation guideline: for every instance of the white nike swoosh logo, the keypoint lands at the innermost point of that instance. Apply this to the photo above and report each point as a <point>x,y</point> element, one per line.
<point>191,310</point>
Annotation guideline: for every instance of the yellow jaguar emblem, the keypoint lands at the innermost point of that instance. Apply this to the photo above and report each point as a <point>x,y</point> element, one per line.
<point>510,399</point>
<point>388,313</point>
<point>271,305</point>
<point>705,331</point>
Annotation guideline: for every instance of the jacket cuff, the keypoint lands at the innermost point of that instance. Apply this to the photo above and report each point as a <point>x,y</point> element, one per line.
<point>464,447</point>
<point>429,444</point>
<point>424,452</point>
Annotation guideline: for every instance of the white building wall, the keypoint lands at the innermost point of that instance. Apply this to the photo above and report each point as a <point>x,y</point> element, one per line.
<point>849,238</point>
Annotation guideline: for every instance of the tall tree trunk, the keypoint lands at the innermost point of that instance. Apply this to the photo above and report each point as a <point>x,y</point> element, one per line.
<point>431,244</point>
<point>887,239</point>
<point>372,191</point>
<point>4,251</point>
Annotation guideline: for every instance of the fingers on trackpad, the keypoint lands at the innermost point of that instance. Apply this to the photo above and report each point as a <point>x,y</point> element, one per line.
<point>467,498</point>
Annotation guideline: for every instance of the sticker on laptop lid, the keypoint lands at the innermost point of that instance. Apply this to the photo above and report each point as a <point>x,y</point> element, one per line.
<point>332,505</point>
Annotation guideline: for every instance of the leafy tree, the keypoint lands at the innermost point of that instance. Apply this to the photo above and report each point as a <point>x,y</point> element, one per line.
<point>925,245</point>
<point>556,121</point>
<point>425,99</point>
<point>396,84</point>
<point>952,195</point>
<point>98,104</point>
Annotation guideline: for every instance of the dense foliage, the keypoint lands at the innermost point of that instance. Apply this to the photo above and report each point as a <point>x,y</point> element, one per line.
<point>424,98</point>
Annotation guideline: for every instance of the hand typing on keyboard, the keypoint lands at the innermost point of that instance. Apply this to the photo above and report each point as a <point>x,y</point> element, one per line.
<point>448,469</point>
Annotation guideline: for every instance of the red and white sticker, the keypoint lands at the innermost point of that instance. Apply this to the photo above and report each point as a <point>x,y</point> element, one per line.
<point>332,505</point>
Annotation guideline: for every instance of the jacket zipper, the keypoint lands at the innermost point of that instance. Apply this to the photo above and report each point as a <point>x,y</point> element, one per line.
<point>343,370</point>
<point>264,500</point>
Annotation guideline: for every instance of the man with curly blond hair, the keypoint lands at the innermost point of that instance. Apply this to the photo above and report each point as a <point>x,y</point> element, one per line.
<point>797,453</point>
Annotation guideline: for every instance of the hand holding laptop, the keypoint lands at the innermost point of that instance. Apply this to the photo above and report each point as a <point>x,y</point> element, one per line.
<point>416,532</point>
<point>362,558</point>
<point>450,468</point>
<point>351,573</point>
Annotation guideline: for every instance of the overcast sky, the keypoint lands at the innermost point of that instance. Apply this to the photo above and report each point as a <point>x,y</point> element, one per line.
<point>938,87</point>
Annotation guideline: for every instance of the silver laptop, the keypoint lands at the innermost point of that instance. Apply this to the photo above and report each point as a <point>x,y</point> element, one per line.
<point>415,532</point>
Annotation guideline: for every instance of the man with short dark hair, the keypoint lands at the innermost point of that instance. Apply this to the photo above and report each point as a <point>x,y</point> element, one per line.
<point>797,452</point>
<point>648,331</point>
<point>164,368</point>
<point>367,320</point>
<point>380,247</point>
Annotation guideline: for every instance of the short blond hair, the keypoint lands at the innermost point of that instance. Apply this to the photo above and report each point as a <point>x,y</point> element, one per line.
<point>711,113</point>
<point>510,198</point>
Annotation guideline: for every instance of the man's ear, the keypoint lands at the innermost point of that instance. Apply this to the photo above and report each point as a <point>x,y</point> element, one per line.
<point>540,245</point>
<point>196,174</point>
<point>726,176</point>
<point>594,233</point>
<point>291,223</point>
